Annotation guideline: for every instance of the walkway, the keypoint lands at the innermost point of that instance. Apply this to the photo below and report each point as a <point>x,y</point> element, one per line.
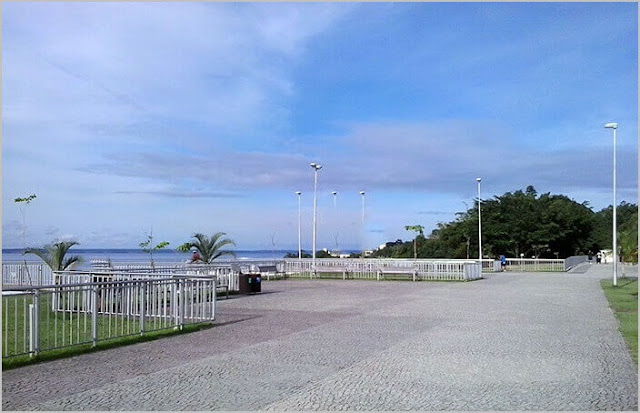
<point>510,342</point>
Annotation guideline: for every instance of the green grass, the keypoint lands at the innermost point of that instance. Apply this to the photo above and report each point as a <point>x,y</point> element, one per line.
<point>58,329</point>
<point>623,300</point>
<point>20,361</point>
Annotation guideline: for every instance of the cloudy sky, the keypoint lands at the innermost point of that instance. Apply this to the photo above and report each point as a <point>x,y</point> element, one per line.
<point>203,117</point>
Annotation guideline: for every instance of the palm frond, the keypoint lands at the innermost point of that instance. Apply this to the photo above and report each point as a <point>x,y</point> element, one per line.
<point>71,261</point>
<point>53,254</point>
<point>42,253</point>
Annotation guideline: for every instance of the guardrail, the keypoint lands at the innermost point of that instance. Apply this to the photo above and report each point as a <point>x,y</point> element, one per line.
<point>535,265</point>
<point>37,319</point>
<point>35,273</point>
<point>371,268</point>
<point>223,273</point>
<point>29,273</point>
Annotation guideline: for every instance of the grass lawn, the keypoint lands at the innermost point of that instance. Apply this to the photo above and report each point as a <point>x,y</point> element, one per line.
<point>623,300</point>
<point>20,361</point>
<point>59,330</point>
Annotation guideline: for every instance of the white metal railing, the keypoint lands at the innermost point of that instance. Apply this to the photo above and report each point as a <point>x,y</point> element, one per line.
<point>36,319</point>
<point>31,273</point>
<point>372,268</point>
<point>535,265</point>
<point>227,271</point>
<point>225,276</point>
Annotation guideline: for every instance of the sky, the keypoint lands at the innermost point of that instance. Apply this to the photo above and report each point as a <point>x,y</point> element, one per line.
<point>177,118</point>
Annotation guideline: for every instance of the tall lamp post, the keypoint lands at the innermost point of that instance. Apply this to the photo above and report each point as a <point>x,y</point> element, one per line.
<point>614,126</point>
<point>299,231</point>
<point>479,223</point>
<point>363,230</point>
<point>316,168</point>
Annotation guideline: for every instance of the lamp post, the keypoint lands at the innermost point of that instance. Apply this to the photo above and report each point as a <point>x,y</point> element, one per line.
<point>614,126</point>
<point>335,218</point>
<point>479,223</point>
<point>299,232</point>
<point>316,168</point>
<point>363,230</point>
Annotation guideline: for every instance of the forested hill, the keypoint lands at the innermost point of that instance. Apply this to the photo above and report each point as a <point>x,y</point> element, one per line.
<point>523,222</point>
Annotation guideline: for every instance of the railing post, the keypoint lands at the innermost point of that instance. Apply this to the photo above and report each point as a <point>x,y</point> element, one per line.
<point>174,304</point>
<point>94,315</point>
<point>213,302</point>
<point>181,303</point>
<point>143,305</point>
<point>34,318</point>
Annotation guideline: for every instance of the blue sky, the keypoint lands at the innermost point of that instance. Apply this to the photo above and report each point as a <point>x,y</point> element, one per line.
<point>204,117</point>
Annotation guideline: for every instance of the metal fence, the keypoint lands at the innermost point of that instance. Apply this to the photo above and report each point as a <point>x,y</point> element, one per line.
<point>535,265</point>
<point>387,268</point>
<point>36,319</point>
<point>26,273</point>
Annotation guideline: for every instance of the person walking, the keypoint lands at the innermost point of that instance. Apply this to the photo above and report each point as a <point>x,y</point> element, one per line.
<point>503,262</point>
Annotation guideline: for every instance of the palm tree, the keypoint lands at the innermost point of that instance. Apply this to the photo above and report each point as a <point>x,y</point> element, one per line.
<point>207,248</point>
<point>54,255</point>
<point>419,229</point>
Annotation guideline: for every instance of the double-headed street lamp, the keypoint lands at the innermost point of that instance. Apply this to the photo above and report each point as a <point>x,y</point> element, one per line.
<point>299,224</point>
<point>614,126</point>
<point>316,168</point>
<point>479,223</point>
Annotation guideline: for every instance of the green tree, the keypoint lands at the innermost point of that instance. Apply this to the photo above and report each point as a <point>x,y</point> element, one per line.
<point>420,233</point>
<point>208,248</point>
<point>147,247</point>
<point>54,255</point>
<point>602,233</point>
<point>23,202</point>
<point>303,254</point>
<point>628,239</point>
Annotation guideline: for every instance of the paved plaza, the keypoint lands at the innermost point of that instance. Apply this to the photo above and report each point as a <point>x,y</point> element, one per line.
<point>516,341</point>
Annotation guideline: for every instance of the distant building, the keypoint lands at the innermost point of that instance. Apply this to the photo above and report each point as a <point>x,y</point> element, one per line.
<point>390,244</point>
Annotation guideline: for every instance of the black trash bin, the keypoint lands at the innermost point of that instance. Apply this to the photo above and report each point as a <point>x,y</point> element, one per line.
<point>256,283</point>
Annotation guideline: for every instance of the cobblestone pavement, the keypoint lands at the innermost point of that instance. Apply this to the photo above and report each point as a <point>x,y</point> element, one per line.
<point>513,341</point>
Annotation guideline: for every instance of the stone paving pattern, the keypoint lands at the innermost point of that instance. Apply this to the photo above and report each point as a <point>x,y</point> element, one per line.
<point>514,341</point>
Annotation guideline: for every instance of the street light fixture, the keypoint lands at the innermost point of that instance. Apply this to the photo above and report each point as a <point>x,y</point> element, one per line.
<point>316,168</point>
<point>299,224</point>
<point>362,193</point>
<point>614,126</point>
<point>479,223</point>
<point>334,193</point>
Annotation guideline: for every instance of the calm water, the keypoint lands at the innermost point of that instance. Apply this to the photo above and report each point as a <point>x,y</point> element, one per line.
<point>135,255</point>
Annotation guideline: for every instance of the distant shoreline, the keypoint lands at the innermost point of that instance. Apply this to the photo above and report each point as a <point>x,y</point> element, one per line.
<point>137,250</point>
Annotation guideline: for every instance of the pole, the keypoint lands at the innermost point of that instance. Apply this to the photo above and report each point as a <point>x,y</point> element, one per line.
<point>615,227</point>
<point>614,126</point>
<point>315,167</point>
<point>299,231</point>
<point>315,208</point>
<point>479,224</point>
<point>363,229</point>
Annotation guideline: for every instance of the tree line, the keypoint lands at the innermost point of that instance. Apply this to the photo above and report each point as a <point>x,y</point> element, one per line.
<point>523,222</point>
